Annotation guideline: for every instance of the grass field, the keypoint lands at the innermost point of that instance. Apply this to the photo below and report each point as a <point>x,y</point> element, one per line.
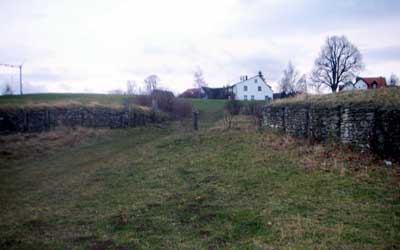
<point>49,98</point>
<point>170,188</point>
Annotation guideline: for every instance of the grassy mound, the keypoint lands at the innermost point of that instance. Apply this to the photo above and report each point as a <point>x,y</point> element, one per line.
<point>385,98</point>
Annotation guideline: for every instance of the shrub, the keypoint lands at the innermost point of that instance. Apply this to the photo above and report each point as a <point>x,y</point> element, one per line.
<point>182,108</point>
<point>141,100</point>
<point>233,107</point>
<point>163,100</point>
<point>252,108</point>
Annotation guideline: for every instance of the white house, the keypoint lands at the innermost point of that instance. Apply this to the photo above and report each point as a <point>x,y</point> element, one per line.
<point>359,85</point>
<point>253,88</point>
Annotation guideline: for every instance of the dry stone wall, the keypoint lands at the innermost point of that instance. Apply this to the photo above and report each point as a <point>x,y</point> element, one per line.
<point>363,126</point>
<point>37,119</point>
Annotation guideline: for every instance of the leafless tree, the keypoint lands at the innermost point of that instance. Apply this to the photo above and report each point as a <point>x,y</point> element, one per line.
<point>199,79</point>
<point>130,87</point>
<point>151,83</point>
<point>8,90</point>
<point>394,80</point>
<point>301,84</point>
<point>289,79</point>
<point>339,61</point>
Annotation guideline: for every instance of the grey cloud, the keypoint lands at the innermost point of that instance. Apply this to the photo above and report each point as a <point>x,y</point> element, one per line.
<point>260,19</point>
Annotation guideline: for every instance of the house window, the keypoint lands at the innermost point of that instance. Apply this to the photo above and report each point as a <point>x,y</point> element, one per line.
<point>252,97</point>
<point>245,97</point>
<point>259,88</point>
<point>267,98</point>
<point>255,80</point>
<point>245,88</point>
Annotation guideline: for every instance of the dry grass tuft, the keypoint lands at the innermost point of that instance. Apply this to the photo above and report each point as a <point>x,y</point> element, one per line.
<point>342,159</point>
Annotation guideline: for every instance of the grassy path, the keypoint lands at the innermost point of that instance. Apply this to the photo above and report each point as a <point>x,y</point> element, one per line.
<point>160,188</point>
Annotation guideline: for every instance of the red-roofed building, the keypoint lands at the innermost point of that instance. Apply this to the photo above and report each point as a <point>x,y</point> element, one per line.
<point>371,82</point>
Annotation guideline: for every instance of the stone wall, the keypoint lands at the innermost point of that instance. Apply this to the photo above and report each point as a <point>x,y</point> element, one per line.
<point>364,126</point>
<point>37,119</point>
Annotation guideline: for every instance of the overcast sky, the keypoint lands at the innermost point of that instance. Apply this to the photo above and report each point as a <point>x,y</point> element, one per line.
<point>96,46</point>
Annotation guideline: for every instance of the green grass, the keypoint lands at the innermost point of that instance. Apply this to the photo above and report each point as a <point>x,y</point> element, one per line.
<point>49,98</point>
<point>384,98</point>
<point>210,111</point>
<point>161,188</point>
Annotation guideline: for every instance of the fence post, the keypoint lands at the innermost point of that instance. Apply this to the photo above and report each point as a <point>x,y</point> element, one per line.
<point>195,120</point>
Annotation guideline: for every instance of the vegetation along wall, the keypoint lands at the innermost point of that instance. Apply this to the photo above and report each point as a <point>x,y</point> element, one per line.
<point>363,125</point>
<point>43,118</point>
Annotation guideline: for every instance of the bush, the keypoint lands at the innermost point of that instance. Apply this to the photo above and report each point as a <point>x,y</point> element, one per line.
<point>233,107</point>
<point>163,100</point>
<point>182,108</point>
<point>252,108</point>
<point>141,100</point>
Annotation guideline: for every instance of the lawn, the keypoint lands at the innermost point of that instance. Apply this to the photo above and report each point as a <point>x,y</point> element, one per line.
<point>171,188</point>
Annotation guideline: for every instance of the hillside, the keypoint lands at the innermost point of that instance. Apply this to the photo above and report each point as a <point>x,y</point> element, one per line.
<point>385,98</point>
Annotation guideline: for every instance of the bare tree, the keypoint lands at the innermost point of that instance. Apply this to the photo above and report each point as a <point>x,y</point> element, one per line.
<point>130,87</point>
<point>151,83</point>
<point>289,79</point>
<point>301,84</point>
<point>199,79</point>
<point>394,80</point>
<point>7,90</point>
<point>339,61</point>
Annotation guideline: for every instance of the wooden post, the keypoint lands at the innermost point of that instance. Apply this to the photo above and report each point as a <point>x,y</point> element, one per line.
<point>195,120</point>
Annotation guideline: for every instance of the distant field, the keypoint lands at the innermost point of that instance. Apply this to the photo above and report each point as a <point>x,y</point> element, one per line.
<point>385,97</point>
<point>51,98</point>
<point>210,111</point>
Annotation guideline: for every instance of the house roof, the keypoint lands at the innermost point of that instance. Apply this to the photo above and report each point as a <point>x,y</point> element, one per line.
<point>262,78</point>
<point>194,90</point>
<point>380,81</point>
<point>216,93</point>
